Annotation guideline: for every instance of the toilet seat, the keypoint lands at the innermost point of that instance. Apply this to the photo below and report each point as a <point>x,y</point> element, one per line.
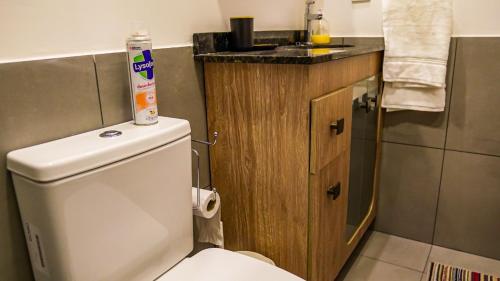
<point>222,265</point>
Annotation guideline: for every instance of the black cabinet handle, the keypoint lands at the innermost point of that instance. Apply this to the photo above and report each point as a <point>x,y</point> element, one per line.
<point>338,126</point>
<point>367,105</point>
<point>334,191</point>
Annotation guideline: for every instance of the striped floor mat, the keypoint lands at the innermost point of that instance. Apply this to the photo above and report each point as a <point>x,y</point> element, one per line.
<point>442,272</point>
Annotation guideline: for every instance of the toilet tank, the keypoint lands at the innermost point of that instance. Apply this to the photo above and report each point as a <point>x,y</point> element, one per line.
<point>107,208</point>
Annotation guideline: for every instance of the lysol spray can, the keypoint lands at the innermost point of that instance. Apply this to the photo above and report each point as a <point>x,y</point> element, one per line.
<point>142,80</point>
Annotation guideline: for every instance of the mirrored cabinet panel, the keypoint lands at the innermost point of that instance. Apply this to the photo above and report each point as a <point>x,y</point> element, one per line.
<point>363,153</point>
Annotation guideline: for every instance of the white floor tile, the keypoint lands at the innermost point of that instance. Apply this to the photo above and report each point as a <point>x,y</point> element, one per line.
<point>396,250</point>
<point>368,269</point>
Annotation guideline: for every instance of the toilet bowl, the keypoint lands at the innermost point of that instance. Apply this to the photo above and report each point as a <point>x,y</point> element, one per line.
<point>223,265</point>
<point>115,204</point>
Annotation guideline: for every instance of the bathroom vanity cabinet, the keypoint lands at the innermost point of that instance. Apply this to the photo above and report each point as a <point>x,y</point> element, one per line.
<point>282,163</point>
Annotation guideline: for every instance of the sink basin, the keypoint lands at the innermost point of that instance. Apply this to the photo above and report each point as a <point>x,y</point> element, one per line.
<point>329,46</point>
<point>319,49</point>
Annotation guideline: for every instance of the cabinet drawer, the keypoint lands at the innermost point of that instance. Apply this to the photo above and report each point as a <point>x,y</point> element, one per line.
<point>331,117</point>
<point>328,198</point>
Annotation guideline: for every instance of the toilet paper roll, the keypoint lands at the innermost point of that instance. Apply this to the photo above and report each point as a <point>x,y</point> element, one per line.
<point>210,230</point>
<point>209,203</point>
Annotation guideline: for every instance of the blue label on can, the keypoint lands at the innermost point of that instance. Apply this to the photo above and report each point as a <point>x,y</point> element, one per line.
<point>143,64</point>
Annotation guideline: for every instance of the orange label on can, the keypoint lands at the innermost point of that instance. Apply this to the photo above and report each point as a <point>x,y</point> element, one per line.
<point>144,100</point>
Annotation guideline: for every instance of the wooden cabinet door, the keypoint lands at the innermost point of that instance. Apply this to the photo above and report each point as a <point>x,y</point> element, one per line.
<point>328,198</point>
<point>330,127</point>
<point>260,163</point>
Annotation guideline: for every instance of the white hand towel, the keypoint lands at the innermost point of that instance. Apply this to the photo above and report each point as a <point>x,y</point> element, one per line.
<point>417,38</point>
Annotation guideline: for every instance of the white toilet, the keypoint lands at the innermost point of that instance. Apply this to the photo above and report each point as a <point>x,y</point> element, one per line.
<point>115,204</point>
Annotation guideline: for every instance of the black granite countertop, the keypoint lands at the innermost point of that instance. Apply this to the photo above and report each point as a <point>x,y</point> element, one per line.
<point>214,47</point>
<point>285,55</point>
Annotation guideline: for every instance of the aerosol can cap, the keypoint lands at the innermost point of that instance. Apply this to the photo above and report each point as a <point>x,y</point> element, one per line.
<point>139,31</point>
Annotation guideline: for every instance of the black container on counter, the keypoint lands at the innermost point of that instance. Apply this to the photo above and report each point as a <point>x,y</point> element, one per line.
<point>242,33</point>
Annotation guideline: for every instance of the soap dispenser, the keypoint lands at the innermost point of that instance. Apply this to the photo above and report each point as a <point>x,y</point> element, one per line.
<point>320,33</point>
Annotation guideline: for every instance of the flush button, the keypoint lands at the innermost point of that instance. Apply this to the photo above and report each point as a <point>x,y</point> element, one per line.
<point>110,134</point>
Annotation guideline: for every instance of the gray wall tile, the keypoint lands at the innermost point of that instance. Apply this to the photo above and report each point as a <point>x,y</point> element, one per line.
<point>421,128</point>
<point>363,41</point>
<point>475,114</point>
<point>409,185</point>
<point>114,90</point>
<point>181,94</point>
<point>473,126</point>
<point>469,209</point>
<point>41,101</point>
<point>14,258</point>
<point>179,86</point>
<point>336,40</point>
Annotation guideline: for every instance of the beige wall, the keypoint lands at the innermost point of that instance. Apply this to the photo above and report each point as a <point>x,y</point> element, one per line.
<point>54,28</point>
<point>471,18</point>
<point>58,28</point>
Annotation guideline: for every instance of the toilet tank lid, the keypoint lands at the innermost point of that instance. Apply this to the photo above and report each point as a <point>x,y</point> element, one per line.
<point>76,154</point>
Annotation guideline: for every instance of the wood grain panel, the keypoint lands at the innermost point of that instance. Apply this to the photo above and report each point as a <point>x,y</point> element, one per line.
<point>326,144</point>
<point>375,63</point>
<point>326,220</point>
<point>260,163</point>
<point>331,76</point>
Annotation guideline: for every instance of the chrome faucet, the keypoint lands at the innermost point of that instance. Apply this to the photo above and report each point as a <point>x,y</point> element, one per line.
<point>308,17</point>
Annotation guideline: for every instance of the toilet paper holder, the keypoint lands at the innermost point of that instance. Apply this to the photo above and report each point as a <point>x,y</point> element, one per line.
<point>216,134</point>
<point>197,155</point>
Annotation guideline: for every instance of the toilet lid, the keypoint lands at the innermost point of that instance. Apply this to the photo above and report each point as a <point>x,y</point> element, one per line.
<point>222,265</point>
